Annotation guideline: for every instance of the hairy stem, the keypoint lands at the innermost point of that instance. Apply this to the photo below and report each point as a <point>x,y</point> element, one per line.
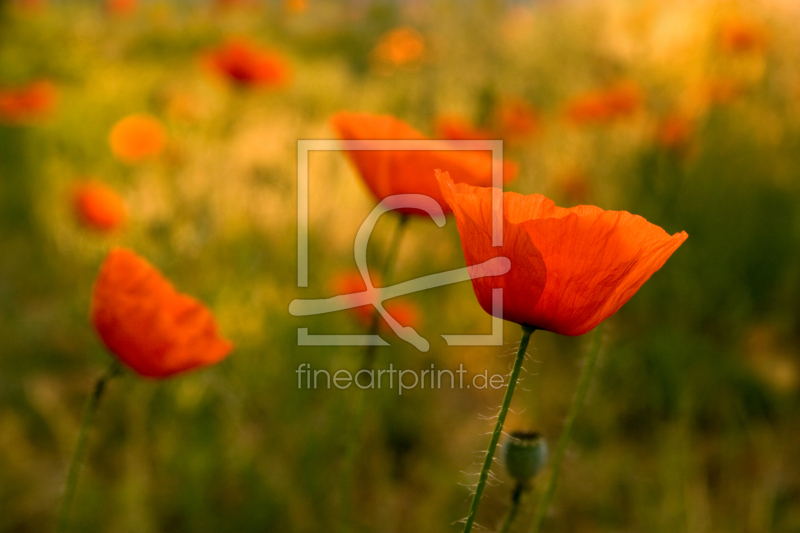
<point>498,428</point>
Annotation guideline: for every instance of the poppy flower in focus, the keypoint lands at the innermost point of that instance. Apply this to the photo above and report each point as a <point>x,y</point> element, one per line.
<point>391,172</point>
<point>515,121</point>
<point>351,282</point>
<point>98,206</point>
<point>147,324</point>
<point>22,105</point>
<point>570,268</point>
<point>456,128</point>
<point>137,137</point>
<point>742,36</point>
<point>400,47</point>
<point>605,105</point>
<point>121,7</point>
<point>246,64</point>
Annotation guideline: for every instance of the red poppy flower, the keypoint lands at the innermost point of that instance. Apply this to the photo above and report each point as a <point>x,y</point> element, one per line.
<point>515,121</point>
<point>28,103</point>
<point>147,324</point>
<point>674,131</point>
<point>400,47</point>
<point>351,282</point>
<point>137,137</point>
<point>570,268</point>
<point>248,65</point>
<point>741,36</point>
<point>456,128</point>
<point>121,7</point>
<point>99,206</point>
<point>605,105</point>
<point>391,172</point>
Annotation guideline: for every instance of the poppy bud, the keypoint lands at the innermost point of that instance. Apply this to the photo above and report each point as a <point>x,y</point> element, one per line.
<point>525,453</point>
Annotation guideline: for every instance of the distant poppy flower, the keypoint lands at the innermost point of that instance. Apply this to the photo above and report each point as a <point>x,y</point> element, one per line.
<point>31,6</point>
<point>137,137</point>
<point>247,64</point>
<point>570,268</point>
<point>400,47</point>
<point>719,91</point>
<point>516,120</point>
<point>98,206</point>
<point>295,6</point>
<point>121,7</point>
<point>575,186</point>
<point>29,103</point>
<point>741,36</point>
<point>147,324</point>
<point>456,128</point>
<point>391,172</point>
<point>351,282</point>
<point>674,131</point>
<point>605,105</point>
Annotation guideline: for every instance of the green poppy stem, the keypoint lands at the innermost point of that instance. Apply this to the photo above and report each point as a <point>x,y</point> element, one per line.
<point>563,441</point>
<point>498,428</point>
<point>359,413</point>
<point>73,472</point>
<point>516,498</point>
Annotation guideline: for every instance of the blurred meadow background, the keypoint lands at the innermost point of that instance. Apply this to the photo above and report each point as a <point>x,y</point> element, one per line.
<point>684,112</point>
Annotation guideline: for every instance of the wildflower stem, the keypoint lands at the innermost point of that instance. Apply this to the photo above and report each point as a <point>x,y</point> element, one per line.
<point>563,441</point>
<point>498,428</point>
<point>73,472</point>
<point>516,497</point>
<point>359,413</point>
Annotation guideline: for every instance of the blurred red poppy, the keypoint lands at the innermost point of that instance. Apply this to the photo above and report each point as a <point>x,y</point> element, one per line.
<point>674,131</point>
<point>247,64</point>
<point>22,105</point>
<point>456,128</point>
<point>616,101</point>
<point>137,137</point>
<point>516,120</point>
<point>351,282</point>
<point>391,172</point>
<point>98,206</point>
<point>121,7</point>
<point>147,324</point>
<point>741,36</point>
<point>570,268</point>
<point>400,47</point>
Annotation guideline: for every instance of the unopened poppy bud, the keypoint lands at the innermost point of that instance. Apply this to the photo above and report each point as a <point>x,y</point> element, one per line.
<point>525,454</point>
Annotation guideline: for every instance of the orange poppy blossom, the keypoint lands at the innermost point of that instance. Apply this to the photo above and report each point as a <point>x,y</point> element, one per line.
<point>391,172</point>
<point>121,7</point>
<point>456,128</point>
<point>674,131</point>
<point>515,120</point>
<point>351,282</point>
<point>742,36</point>
<point>570,268</point>
<point>400,47</point>
<point>605,105</point>
<point>22,105</point>
<point>246,64</point>
<point>98,206</point>
<point>137,137</point>
<point>147,324</point>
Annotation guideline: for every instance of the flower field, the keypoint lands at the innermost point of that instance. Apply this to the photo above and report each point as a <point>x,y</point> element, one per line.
<point>163,301</point>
